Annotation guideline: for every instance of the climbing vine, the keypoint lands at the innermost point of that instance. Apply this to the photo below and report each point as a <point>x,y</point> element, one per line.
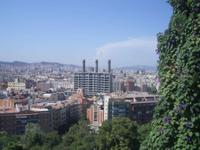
<point>176,123</point>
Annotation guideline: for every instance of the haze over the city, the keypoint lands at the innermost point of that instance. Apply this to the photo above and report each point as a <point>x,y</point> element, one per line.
<point>68,31</point>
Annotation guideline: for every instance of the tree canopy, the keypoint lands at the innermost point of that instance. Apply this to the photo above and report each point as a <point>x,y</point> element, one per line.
<point>79,137</point>
<point>118,134</point>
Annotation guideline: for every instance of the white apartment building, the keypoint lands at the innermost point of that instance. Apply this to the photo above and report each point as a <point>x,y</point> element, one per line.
<point>16,85</point>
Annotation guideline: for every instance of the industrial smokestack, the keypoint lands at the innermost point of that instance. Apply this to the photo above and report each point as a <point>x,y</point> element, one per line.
<point>96,68</point>
<point>109,65</point>
<point>29,103</point>
<point>83,65</point>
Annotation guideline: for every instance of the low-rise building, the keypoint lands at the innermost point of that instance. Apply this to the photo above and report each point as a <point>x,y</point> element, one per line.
<point>66,84</point>
<point>115,107</point>
<point>95,115</point>
<point>43,85</point>
<point>16,85</point>
<point>6,104</point>
<point>15,122</point>
<point>118,85</point>
<point>138,106</point>
<point>142,111</point>
<point>50,116</point>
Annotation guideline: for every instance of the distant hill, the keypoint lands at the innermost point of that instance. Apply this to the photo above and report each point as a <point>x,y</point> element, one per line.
<point>13,63</point>
<point>36,63</point>
<point>71,67</point>
<point>136,68</point>
<point>50,65</point>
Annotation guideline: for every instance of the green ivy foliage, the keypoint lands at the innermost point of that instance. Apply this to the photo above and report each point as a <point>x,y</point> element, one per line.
<point>176,122</point>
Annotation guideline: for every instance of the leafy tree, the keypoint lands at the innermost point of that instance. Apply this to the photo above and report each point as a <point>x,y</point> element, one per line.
<point>152,89</point>
<point>51,140</point>
<point>176,122</point>
<point>33,136</point>
<point>14,146</point>
<point>143,131</point>
<point>37,147</point>
<point>118,134</point>
<point>6,140</point>
<point>79,137</point>
<point>59,147</point>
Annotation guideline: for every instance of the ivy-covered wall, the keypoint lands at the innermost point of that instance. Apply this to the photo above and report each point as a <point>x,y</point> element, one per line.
<point>176,122</point>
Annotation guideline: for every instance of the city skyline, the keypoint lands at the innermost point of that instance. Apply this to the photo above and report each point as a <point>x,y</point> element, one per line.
<point>69,31</point>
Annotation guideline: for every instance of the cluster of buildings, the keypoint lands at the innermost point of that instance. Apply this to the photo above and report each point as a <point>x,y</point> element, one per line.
<point>37,93</point>
<point>16,85</point>
<point>50,115</point>
<point>127,82</point>
<point>138,106</point>
<point>56,98</point>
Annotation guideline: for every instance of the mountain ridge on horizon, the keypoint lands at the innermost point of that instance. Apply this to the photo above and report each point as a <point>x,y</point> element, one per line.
<point>132,67</point>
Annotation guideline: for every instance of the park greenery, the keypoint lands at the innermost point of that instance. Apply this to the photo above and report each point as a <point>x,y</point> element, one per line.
<point>176,123</point>
<point>118,134</point>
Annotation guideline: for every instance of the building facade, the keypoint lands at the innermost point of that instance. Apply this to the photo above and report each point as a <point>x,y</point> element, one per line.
<point>95,115</point>
<point>142,108</point>
<point>116,107</point>
<point>93,82</point>
<point>138,107</point>
<point>16,85</point>
<point>15,123</point>
<point>49,116</point>
<point>118,85</point>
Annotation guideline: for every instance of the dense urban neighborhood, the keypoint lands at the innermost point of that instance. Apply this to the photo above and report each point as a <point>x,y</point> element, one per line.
<point>58,97</point>
<point>56,106</point>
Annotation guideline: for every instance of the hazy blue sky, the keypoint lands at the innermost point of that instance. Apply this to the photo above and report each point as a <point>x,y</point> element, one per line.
<point>67,31</point>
